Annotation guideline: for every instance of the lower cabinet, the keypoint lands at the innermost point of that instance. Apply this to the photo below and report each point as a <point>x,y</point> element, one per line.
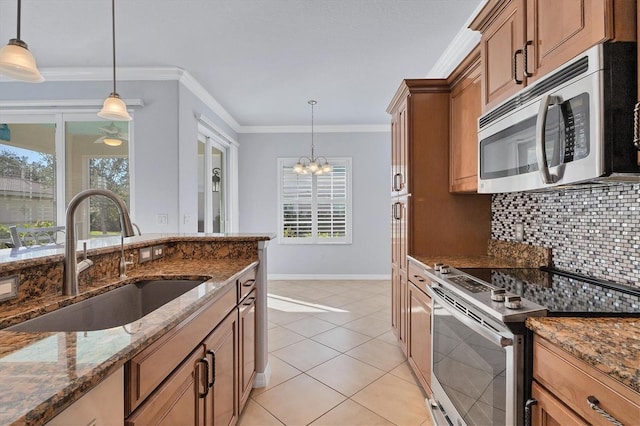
<point>419,348</point>
<point>247,350</point>
<point>202,390</point>
<point>202,371</point>
<point>568,391</point>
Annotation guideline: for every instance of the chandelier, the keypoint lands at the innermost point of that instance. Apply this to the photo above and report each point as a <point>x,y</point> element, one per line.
<point>313,164</point>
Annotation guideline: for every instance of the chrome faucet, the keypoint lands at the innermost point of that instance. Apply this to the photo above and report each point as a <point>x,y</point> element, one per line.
<point>71,267</point>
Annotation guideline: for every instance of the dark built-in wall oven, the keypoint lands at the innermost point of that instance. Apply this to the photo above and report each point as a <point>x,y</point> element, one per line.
<point>481,372</point>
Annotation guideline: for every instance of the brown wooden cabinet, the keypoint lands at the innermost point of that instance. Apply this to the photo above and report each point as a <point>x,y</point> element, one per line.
<point>419,348</point>
<point>247,350</point>
<point>200,372</point>
<point>564,385</point>
<point>426,218</point>
<point>524,40</point>
<point>466,107</point>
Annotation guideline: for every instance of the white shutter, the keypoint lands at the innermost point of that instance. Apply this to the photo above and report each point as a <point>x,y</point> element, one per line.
<point>315,208</point>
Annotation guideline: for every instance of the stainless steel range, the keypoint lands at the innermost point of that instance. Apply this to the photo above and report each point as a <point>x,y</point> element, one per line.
<point>481,348</point>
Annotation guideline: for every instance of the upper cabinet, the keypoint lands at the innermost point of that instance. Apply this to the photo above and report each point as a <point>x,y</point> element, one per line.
<point>524,40</point>
<point>466,107</point>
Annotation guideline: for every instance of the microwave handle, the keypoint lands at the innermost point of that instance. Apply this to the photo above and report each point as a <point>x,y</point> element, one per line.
<point>541,144</point>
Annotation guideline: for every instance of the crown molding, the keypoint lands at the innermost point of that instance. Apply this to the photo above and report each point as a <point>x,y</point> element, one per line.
<point>188,81</point>
<point>355,128</point>
<point>463,43</point>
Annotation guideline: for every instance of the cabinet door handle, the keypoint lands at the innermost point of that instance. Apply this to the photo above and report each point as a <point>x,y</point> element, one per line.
<point>527,411</point>
<point>211,380</point>
<point>394,211</point>
<point>248,283</point>
<point>397,182</point>
<point>525,70</point>
<point>636,126</point>
<point>515,66</point>
<point>593,403</point>
<point>204,362</point>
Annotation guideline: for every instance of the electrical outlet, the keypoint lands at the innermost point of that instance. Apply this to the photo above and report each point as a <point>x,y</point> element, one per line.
<point>8,287</point>
<point>519,231</point>
<point>158,251</point>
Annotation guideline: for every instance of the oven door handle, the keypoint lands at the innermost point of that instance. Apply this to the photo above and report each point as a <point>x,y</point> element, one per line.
<point>494,338</point>
<point>541,143</point>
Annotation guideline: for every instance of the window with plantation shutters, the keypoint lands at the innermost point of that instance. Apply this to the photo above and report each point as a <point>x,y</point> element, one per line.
<point>315,209</point>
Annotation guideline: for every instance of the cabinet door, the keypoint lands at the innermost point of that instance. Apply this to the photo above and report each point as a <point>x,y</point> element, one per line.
<point>560,30</point>
<point>247,350</point>
<point>502,56</point>
<point>177,400</point>
<point>549,411</point>
<point>222,352</point>
<point>395,299</point>
<point>400,150</point>
<point>419,351</point>
<point>466,107</point>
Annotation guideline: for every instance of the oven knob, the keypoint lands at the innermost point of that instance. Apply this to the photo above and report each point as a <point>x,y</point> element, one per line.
<point>513,302</point>
<point>437,266</point>
<point>497,295</point>
<point>444,269</point>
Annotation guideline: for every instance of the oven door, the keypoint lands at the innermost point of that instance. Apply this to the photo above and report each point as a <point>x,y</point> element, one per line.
<point>477,376</point>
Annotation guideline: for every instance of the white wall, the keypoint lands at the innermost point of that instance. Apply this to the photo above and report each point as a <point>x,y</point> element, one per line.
<point>369,254</point>
<point>164,146</point>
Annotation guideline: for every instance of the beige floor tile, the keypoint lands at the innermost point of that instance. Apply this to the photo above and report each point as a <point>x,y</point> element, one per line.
<point>280,372</point>
<point>369,325</point>
<point>255,415</point>
<point>339,317</point>
<point>389,337</point>
<point>351,414</point>
<point>379,354</point>
<point>337,300</point>
<point>280,317</point>
<point>395,400</point>
<point>309,326</point>
<point>345,374</point>
<point>279,337</point>
<point>361,307</point>
<point>305,354</point>
<point>341,339</point>
<point>404,372</point>
<point>300,400</point>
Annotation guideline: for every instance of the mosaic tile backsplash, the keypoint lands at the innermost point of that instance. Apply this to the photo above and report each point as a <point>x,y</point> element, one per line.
<point>593,230</point>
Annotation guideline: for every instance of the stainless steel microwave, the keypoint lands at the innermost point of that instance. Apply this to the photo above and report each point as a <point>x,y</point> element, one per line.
<point>573,126</point>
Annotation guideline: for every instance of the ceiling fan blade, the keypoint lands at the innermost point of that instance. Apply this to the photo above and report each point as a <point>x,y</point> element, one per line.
<point>99,140</point>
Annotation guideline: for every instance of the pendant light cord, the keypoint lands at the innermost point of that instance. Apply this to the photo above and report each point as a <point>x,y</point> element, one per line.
<point>313,158</point>
<point>113,39</point>
<point>18,26</point>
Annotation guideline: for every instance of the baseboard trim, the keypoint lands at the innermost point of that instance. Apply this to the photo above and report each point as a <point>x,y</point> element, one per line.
<point>262,379</point>
<point>328,277</point>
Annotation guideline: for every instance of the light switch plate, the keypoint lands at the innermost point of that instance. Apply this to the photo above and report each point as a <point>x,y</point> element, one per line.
<point>8,287</point>
<point>519,232</point>
<point>145,254</point>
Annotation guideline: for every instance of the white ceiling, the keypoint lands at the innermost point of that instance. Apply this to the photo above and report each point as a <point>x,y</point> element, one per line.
<point>262,60</point>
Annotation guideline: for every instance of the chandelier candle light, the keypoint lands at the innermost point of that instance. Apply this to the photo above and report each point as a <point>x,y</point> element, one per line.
<point>313,164</point>
<point>114,108</point>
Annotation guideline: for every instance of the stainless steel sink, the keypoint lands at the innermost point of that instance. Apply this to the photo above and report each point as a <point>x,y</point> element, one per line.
<point>117,307</point>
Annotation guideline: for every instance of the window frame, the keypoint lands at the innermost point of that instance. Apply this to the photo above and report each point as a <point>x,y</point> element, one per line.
<point>289,162</point>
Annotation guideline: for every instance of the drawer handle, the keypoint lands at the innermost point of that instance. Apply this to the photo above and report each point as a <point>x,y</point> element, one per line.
<point>213,369</point>
<point>419,278</point>
<point>249,301</point>
<point>527,411</point>
<point>206,374</point>
<point>593,403</point>
<point>248,283</point>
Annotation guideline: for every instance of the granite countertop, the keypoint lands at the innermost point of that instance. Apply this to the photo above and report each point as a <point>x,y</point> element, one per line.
<point>41,373</point>
<point>611,345</point>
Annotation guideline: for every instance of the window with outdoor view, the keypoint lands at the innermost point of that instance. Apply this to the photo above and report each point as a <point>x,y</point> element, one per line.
<point>315,209</point>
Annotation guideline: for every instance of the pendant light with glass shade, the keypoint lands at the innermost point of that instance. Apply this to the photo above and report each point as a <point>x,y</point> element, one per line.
<point>313,164</point>
<point>16,61</point>
<point>114,108</point>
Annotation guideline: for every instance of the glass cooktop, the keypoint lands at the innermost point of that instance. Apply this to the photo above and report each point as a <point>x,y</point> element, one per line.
<point>561,293</point>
